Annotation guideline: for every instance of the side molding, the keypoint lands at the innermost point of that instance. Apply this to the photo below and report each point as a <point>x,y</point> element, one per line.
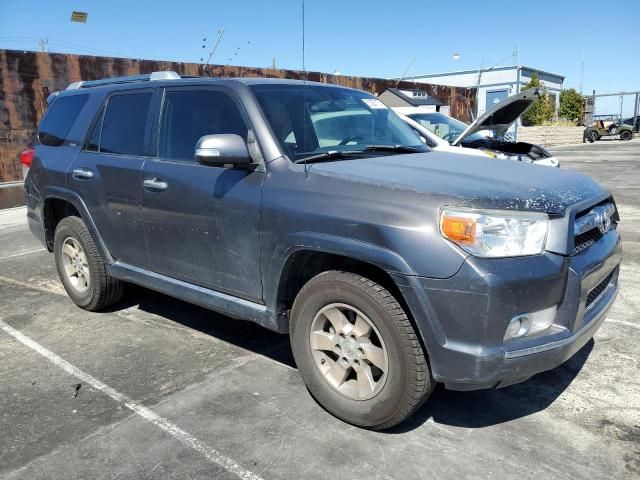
<point>234,307</point>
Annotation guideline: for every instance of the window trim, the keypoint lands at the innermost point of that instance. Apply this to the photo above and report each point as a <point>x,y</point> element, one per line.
<point>103,110</point>
<point>159,110</point>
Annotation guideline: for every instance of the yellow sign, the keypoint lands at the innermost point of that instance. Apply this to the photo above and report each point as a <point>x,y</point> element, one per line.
<point>79,17</point>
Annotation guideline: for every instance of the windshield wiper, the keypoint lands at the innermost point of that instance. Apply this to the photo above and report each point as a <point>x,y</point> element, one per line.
<point>330,155</point>
<point>392,148</point>
<point>344,154</point>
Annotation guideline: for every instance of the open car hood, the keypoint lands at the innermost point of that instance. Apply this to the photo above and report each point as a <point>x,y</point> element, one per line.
<point>501,116</point>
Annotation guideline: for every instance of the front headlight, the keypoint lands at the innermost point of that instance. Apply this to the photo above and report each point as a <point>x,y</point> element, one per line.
<point>495,233</point>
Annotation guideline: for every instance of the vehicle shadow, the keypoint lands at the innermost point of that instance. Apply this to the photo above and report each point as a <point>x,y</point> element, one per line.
<point>484,408</point>
<point>241,333</point>
<point>474,409</point>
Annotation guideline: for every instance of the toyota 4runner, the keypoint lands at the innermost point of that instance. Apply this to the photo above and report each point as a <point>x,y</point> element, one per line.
<point>313,210</point>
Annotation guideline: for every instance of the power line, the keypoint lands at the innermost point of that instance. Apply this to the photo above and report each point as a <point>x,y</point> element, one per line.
<point>63,43</point>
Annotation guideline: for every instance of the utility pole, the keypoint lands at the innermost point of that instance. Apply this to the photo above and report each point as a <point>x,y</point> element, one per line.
<point>43,43</point>
<point>636,106</point>
<point>518,78</point>
<point>581,71</point>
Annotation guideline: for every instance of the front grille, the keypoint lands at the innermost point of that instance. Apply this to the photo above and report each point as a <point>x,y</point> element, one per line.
<point>596,216</point>
<point>585,240</point>
<point>597,290</point>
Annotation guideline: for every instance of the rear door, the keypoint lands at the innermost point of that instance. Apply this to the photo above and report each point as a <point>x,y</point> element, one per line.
<point>107,173</point>
<point>201,221</point>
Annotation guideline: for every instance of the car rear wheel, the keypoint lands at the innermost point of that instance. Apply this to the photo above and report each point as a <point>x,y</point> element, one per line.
<point>625,135</point>
<point>80,267</point>
<point>357,351</point>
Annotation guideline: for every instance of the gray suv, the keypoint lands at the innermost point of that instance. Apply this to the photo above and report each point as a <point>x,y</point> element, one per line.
<point>314,210</point>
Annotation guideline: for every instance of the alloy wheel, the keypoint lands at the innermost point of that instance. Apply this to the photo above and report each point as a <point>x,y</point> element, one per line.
<point>349,351</point>
<point>76,267</point>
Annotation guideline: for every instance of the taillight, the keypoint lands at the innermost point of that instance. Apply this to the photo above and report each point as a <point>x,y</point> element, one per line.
<point>26,157</point>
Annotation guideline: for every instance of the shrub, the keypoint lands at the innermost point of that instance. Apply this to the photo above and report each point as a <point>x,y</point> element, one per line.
<point>542,110</point>
<point>571,105</point>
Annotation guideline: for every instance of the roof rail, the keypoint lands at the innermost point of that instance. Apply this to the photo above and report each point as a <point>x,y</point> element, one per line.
<point>149,77</point>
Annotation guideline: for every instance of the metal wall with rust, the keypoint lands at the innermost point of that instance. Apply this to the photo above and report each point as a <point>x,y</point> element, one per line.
<point>27,78</point>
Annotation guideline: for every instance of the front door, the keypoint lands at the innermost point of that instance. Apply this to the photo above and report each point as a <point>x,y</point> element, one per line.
<point>107,173</point>
<point>202,222</point>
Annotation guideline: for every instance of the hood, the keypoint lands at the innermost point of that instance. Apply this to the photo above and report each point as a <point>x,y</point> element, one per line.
<point>502,115</point>
<point>470,181</point>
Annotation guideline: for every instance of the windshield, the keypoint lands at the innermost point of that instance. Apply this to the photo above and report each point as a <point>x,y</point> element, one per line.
<point>444,126</point>
<point>309,120</point>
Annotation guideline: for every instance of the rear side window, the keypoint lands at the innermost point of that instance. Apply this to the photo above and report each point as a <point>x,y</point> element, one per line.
<point>190,114</point>
<point>59,119</point>
<point>121,127</point>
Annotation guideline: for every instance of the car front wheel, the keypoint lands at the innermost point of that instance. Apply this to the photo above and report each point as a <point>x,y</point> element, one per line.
<point>357,351</point>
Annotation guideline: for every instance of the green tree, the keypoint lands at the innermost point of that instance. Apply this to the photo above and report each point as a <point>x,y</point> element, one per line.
<point>542,110</point>
<point>571,105</point>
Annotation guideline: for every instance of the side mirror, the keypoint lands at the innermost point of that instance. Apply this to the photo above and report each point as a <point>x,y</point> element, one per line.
<point>221,149</point>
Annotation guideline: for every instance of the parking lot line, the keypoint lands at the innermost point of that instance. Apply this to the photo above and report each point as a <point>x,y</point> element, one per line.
<point>172,429</point>
<point>23,253</point>
<point>39,288</point>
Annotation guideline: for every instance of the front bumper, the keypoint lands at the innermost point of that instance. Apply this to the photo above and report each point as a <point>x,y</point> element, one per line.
<point>463,319</point>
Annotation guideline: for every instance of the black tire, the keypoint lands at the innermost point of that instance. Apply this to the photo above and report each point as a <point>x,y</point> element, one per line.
<point>626,135</point>
<point>103,290</point>
<point>594,136</point>
<point>408,380</point>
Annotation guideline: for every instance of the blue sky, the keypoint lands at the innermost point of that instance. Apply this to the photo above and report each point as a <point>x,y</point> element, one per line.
<point>356,37</point>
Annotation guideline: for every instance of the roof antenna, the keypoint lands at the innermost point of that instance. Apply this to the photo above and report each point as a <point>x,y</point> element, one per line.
<point>304,96</point>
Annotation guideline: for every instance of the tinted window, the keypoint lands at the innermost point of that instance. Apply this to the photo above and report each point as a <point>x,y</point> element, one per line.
<point>59,118</point>
<point>189,115</point>
<point>124,124</point>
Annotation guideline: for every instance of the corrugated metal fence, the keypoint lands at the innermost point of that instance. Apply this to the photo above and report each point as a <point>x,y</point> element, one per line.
<point>27,79</point>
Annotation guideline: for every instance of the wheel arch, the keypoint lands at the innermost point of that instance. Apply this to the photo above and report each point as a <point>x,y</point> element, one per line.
<point>60,203</point>
<point>308,254</point>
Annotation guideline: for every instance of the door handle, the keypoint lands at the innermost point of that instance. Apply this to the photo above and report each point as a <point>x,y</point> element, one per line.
<point>155,184</point>
<point>82,174</point>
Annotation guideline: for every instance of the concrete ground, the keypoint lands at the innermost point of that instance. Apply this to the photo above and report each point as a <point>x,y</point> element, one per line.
<point>157,388</point>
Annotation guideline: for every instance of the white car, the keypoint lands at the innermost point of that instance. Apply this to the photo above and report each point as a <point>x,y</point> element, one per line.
<point>442,132</point>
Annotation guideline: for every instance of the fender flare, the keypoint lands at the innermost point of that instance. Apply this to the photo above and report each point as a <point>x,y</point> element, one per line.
<point>74,199</point>
<point>389,261</point>
<point>381,257</point>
